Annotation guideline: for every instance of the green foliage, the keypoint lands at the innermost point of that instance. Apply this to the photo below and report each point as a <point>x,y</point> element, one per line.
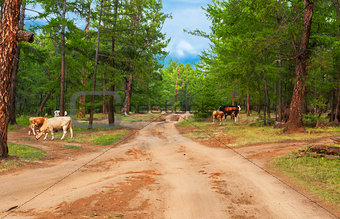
<point>202,116</point>
<point>23,120</point>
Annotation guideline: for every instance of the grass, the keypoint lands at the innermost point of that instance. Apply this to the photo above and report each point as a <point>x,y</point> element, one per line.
<point>72,147</point>
<point>23,120</point>
<point>24,153</point>
<point>319,175</point>
<point>11,127</point>
<point>109,138</point>
<point>99,136</point>
<point>139,117</point>
<point>244,132</point>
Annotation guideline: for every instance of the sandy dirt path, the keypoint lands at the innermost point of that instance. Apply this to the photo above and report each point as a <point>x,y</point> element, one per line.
<point>159,174</point>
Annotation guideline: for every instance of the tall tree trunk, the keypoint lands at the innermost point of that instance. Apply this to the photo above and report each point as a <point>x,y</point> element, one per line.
<point>266,95</point>
<point>104,96</point>
<point>294,122</point>
<point>62,79</point>
<point>337,65</point>
<point>83,80</point>
<point>12,111</point>
<point>128,93</point>
<point>233,98</point>
<point>95,67</point>
<point>111,109</point>
<point>179,66</point>
<point>9,37</point>
<point>43,102</point>
<point>148,99</point>
<point>248,107</point>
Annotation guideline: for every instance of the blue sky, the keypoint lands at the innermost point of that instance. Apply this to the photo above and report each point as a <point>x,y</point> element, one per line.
<point>189,15</point>
<point>186,14</point>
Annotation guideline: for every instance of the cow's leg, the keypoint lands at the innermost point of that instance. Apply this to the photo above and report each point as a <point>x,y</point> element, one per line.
<point>64,132</point>
<point>33,129</point>
<point>29,130</point>
<point>52,134</point>
<point>71,131</point>
<point>45,136</point>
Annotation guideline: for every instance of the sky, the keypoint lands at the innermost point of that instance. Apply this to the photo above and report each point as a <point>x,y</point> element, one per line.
<point>189,15</point>
<point>186,14</point>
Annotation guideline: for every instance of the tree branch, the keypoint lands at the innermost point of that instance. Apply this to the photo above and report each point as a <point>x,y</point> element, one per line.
<point>23,35</point>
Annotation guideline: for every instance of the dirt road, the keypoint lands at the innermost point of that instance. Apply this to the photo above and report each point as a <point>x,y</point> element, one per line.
<point>159,174</point>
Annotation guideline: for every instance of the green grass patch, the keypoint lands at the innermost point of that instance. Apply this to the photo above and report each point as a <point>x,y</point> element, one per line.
<point>24,153</point>
<point>109,138</point>
<point>319,175</point>
<point>139,117</point>
<point>72,147</point>
<point>244,133</point>
<point>12,127</point>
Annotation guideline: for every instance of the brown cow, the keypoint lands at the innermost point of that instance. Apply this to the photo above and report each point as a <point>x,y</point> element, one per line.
<point>218,115</point>
<point>35,122</point>
<point>232,111</point>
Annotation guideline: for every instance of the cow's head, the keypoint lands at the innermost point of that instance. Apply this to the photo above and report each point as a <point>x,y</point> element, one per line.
<point>39,134</point>
<point>239,108</point>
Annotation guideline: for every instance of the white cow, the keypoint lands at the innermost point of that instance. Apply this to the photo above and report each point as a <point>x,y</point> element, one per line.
<point>57,113</point>
<point>55,123</point>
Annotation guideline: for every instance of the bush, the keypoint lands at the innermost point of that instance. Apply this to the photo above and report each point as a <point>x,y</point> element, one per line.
<point>201,116</point>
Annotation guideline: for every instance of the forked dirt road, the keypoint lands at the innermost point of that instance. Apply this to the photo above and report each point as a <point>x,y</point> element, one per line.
<point>158,174</point>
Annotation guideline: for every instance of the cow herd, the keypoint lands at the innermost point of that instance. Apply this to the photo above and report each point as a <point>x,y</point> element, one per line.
<point>225,111</point>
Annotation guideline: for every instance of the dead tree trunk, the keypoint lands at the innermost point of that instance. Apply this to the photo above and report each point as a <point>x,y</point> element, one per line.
<point>95,67</point>
<point>295,115</point>
<point>9,38</point>
<point>42,105</point>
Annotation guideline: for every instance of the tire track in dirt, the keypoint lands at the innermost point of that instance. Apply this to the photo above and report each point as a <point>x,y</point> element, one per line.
<point>159,174</point>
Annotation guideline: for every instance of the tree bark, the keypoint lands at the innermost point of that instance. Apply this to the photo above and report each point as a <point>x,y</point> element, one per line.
<point>104,96</point>
<point>111,114</point>
<point>95,67</point>
<point>10,11</point>
<point>233,98</point>
<point>266,95</point>
<point>248,107</point>
<point>179,66</point>
<point>294,122</point>
<point>43,102</point>
<point>128,93</point>
<point>62,78</point>
<point>83,80</point>
<point>12,111</point>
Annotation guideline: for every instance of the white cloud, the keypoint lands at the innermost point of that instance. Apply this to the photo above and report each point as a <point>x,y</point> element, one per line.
<point>184,47</point>
<point>187,14</point>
